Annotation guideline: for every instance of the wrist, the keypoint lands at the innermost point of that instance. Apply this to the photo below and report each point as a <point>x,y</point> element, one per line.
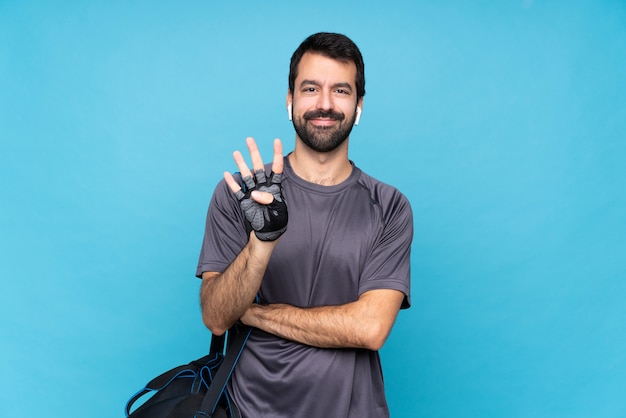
<point>260,250</point>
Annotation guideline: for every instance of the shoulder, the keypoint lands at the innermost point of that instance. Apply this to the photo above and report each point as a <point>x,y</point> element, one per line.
<point>392,201</point>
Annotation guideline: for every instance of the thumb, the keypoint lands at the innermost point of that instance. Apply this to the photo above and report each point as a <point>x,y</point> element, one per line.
<point>263,198</point>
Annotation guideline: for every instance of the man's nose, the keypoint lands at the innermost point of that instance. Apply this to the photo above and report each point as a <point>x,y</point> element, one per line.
<point>324,101</point>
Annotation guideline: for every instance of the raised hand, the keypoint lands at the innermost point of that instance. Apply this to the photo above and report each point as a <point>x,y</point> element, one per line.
<point>262,200</point>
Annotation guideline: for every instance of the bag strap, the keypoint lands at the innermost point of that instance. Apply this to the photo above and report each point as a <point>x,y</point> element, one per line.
<point>217,343</point>
<point>218,384</point>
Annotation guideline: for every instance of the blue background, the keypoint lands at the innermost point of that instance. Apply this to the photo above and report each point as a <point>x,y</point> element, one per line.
<point>503,122</point>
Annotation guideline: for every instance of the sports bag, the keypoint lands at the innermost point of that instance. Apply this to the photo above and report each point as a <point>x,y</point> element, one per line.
<point>196,389</point>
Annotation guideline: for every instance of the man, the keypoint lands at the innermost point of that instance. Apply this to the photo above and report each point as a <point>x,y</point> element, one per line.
<point>328,254</point>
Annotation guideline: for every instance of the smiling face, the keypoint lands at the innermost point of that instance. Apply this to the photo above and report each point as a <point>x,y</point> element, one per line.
<point>324,101</point>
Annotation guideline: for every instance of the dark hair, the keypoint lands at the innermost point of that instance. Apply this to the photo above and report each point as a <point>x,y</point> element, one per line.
<point>332,45</point>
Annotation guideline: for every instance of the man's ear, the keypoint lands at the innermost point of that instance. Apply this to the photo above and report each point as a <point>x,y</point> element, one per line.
<point>289,101</point>
<point>359,111</point>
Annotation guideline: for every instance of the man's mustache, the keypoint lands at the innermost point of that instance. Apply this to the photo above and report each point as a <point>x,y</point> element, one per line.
<point>326,114</point>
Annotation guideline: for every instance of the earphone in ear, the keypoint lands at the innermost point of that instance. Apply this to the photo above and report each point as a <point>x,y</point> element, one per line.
<point>358,115</point>
<point>289,112</point>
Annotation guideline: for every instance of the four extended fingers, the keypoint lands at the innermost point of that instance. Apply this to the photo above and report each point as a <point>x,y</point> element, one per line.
<point>257,164</point>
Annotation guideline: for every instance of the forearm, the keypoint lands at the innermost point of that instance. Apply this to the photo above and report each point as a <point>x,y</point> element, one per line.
<point>306,325</point>
<point>365,323</point>
<point>225,296</point>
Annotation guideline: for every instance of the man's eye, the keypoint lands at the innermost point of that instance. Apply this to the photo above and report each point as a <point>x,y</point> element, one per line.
<point>343,91</point>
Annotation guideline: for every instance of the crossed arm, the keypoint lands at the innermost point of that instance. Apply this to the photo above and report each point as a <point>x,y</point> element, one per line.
<point>364,323</point>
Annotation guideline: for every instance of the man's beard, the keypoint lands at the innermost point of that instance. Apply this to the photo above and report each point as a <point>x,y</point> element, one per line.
<point>323,138</point>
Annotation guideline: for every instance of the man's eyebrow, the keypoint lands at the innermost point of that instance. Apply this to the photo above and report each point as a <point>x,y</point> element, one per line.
<point>309,82</point>
<point>343,85</point>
